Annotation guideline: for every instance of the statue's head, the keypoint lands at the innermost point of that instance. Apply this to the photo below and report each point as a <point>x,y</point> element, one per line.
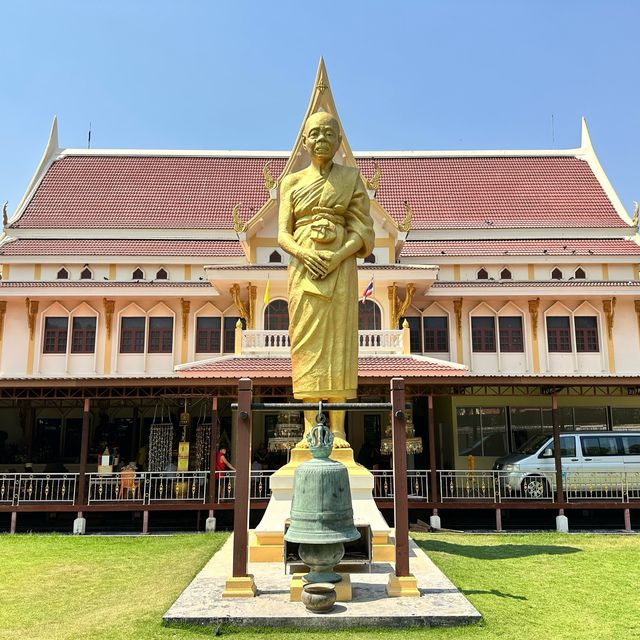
<point>321,136</point>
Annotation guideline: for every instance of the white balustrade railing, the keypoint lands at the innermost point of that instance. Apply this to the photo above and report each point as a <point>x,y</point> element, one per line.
<point>384,341</point>
<point>26,488</point>
<point>262,342</point>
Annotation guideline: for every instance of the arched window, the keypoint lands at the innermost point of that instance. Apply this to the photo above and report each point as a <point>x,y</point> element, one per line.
<point>370,259</point>
<point>369,316</point>
<point>138,274</point>
<point>276,316</point>
<point>505,274</point>
<point>556,274</point>
<point>86,274</point>
<point>483,274</point>
<point>63,274</point>
<point>275,257</point>
<point>579,274</point>
<point>162,274</point>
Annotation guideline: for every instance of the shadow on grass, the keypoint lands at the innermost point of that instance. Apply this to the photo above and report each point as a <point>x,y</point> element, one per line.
<point>491,592</point>
<point>495,552</point>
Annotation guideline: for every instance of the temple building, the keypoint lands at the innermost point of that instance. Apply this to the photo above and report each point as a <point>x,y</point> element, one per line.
<point>138,285</point>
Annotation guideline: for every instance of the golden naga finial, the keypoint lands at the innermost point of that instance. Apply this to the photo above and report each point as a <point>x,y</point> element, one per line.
<point>238,225</point>
<point>5,217</point>
<point>634,222</point>
<point>405,225</point>
<point>269,182</point>
<point>374,182</point>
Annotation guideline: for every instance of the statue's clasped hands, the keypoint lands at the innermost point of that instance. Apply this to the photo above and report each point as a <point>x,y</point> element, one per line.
<point>319,263</point>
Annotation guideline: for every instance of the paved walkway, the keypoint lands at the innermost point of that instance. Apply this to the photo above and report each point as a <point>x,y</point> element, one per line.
<point>439,604</point>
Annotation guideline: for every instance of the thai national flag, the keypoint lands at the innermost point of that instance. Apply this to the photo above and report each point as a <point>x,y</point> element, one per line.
<point>368,292</point>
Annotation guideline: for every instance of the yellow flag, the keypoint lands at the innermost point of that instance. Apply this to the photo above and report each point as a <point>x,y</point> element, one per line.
<point>266,291</point>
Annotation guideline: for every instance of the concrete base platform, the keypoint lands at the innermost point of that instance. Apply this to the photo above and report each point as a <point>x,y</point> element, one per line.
<point>440,604</point>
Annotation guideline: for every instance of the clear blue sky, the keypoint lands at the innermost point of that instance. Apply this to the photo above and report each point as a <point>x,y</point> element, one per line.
<point>238,75</point>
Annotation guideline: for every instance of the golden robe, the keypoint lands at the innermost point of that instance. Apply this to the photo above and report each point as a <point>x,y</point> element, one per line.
<point>323,313</point>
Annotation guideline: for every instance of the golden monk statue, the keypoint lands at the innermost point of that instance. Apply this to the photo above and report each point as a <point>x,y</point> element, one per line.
<point>324,224</point>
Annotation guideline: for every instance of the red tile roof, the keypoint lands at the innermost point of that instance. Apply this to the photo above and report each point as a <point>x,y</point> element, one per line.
<point>187,192</point>
<point>538,247</point>
<point>372,367</point>
<point>494,192</point>
<point>138,192</point>
<point>66,247</point>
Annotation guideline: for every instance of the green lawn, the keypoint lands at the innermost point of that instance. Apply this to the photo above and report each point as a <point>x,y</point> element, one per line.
<point>535,586</point>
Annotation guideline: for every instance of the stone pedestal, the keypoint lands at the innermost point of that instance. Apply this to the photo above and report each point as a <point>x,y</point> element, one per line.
<point>242,587</point>
<point>562,524</point>
<point>402,587</point>
<point>266,541</point>
<point>210,524</point>
<point>79,526</point>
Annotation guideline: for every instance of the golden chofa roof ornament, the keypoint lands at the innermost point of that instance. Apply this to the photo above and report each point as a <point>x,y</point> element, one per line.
<point>634,222</point>
<point>405,225</point>
<point>269,181</point>
<point>374,182</point>
<point>238,225</point>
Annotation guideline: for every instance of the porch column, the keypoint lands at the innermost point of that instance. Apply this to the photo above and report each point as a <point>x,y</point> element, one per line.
<point>561,520</point>
<point>214,435</point>
<point>401,582</point>
<point>433,478</point>
<point>240,584</point>
<point>80,523</point>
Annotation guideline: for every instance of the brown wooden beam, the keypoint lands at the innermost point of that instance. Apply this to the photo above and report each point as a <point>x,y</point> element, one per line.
<point>84,451</point>
<point>243,470</point>
<point>556,448</point>
<point>401,498</point>
<point>214,436</point>
<point>431,435</point>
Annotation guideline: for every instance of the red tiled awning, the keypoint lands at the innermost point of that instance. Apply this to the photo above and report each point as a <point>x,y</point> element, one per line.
<point>372,367</point>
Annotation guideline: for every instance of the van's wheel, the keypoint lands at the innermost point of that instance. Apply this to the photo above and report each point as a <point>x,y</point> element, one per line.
<point>535,487</point>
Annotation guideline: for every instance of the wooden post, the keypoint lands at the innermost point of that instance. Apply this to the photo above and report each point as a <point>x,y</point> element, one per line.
<point>556,447</point>
<point>431,435</point>
<point>627,520</point>
<point>241,584</point>
<point>213,449</point>
<point>401,498</point>
<point>401,582</point>
<point>84,450</point>
<point>14,522</point>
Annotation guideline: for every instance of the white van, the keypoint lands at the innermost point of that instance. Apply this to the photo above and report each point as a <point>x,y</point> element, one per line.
<point>590,460</point>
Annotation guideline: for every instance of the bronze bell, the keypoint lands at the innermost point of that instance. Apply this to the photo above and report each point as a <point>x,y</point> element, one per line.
<point>321,509</point>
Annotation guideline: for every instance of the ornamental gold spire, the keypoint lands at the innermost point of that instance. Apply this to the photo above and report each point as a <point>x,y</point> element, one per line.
<point>405,225</point>
<point>238,225</point>
<point>374,182</point>
<point>269,182</point>
<point>634,222</point>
